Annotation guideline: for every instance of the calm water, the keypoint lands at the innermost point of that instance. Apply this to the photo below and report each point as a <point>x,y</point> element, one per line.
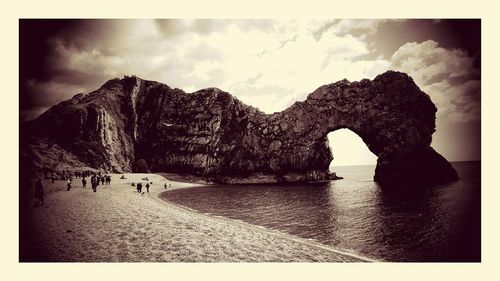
<point>439,223</point>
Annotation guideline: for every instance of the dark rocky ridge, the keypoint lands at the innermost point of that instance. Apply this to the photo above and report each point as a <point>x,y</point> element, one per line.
<point>136,125</point>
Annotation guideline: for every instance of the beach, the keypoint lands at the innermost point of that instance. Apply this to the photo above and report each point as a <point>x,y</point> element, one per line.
<point>118,224</point>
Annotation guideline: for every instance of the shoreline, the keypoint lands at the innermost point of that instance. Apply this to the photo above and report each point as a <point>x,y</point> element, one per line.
<point>269,231</point>
<point>312,243</point>
<point>117,224</point>
<point>199,183</point>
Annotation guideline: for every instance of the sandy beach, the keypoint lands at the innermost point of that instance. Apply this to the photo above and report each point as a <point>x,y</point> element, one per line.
<point>117,224</point>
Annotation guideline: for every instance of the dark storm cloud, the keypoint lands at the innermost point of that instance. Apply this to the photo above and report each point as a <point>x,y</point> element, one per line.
<point>33,52</point>
<point>44,77</point>
<point>39,95</point>
<point>462,34</point>
<point>32,112</point>
<point>103,35</point>
<point>49,47</point>
<point>48,93</point>
<point>74,76</point>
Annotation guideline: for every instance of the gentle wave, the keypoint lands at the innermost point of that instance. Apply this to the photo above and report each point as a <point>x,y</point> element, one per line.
<point>309,241</point>
<point>355,216</point>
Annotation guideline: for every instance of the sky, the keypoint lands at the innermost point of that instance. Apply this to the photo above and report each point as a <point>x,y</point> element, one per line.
<point>265,63</point>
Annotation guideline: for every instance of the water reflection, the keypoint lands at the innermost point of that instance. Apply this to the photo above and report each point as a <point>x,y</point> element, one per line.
<point>355,214</point>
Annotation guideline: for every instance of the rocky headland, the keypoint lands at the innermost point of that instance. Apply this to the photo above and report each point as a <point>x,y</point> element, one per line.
<point>135,125</point>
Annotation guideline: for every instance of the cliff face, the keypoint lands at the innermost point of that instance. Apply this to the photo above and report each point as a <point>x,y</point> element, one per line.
<point>138,125</point>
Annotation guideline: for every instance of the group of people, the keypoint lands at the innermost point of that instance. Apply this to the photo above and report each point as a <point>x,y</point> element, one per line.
<point>138,187</point>
<point>96,179</point>
<point>65,174</point>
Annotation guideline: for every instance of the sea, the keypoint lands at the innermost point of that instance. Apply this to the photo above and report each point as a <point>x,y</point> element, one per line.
<point>440,223</point>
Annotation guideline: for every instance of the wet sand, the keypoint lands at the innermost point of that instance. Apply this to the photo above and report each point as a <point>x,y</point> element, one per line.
<point>117,224</point>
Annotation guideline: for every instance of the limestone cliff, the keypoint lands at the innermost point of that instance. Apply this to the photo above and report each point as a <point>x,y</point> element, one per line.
<point>136,125</point>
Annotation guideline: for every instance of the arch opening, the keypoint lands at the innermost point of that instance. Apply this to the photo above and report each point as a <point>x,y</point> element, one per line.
<point>348,149</point>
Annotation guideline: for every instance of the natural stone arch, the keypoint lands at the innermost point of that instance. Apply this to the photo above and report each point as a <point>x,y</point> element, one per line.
<point>391,114</point>
<point>210,133</point>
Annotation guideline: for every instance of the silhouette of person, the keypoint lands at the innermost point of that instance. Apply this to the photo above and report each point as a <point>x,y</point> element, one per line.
<point>39,191</point>
<point>94,181</point>
<point>84,182</point>
<point>147,187</point>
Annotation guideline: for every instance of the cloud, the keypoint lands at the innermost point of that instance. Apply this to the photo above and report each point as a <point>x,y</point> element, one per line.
<point>32,112</point>
<point>349,26</point>
<point>284,57</point>
<point>269,64</point>
<point>170,28</point>
<point>354,27</point>
<point>449,76</point>
<point>50,93</point>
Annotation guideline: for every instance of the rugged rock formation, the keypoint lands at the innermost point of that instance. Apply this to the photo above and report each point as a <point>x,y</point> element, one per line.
<point>138,125</point>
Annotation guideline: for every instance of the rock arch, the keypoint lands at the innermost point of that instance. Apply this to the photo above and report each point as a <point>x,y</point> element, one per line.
<point>391,114</point>
<point>212,134</point>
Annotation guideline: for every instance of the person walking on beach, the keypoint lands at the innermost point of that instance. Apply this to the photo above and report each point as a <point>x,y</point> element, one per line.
<point>93,182</point>
<point>147,187</point>
<point>84,182</point>
<point>39,191</point>
<point>69,184</point>
<point>139,187</point>
<point>165,185</point>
